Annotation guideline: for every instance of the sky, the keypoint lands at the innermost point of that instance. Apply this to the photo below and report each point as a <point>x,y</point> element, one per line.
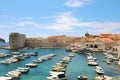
<point>43,18</point>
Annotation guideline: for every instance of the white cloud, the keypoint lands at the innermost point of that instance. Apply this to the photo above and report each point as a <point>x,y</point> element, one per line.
<point>77,3</point>
<point>25,23</point>
<point>65,22</point>
<point>4,26</point>
<point>4,16</point>
<point>59,27</point>
<point>66,18</point>
<point>26,18</point>
<point>62,22</point>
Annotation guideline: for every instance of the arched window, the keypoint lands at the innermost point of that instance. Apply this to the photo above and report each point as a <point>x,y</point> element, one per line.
<point>86,44</point>
<point>113,49</point>
<point>91,46</point>
<point>95,46</point>
<point>110,47</point>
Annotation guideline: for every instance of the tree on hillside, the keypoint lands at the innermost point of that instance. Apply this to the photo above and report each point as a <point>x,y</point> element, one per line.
<point>2,40</point>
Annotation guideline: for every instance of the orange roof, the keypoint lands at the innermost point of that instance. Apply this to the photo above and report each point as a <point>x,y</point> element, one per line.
<point>89,39</point>
<point>106,40</point>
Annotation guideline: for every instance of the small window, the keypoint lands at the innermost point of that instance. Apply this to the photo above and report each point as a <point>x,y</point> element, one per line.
<point>12,41</point>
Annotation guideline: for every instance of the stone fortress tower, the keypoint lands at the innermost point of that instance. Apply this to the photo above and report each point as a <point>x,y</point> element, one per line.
<point>17,40</point>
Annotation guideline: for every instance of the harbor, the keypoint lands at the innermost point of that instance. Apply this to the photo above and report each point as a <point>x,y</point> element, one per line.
<point>78,65</point>
<point>60,40</point>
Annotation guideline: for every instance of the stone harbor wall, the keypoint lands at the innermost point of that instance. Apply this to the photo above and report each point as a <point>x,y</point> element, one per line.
<point>17,41</point>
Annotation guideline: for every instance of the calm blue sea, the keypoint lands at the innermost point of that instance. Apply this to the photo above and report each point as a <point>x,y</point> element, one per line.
<point>78,65</point>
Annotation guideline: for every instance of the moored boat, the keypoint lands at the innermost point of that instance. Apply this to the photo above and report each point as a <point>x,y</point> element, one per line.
<point>103,77</point>
<point>5,78</point>
<point>92,63</point>
<point>108,61</point>
<point>82,77</point>
<point>99,70</point>
<point>15,52</point>
<point>34,54</point>
<point>22,70</point>
<point>6,62</point>
<point>57,76</point>
<point>2,55</point>
<point>31,65</point>
<point>14,74</point>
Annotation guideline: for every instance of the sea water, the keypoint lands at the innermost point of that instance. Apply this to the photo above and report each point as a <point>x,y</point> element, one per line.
<point>78,65</point>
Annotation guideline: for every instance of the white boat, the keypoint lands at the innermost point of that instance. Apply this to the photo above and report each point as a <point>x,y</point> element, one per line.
<point>88,54</point>
<point>91,57</point>
<point>15,52</point>
<point>52,55</point>
<point>3,55</point>
<point>67,58</point>
<point>99,70</point>
<point>22,70</point>
<point>103,77</point>
<point>108,61</point>
<point>31,65</point>
<point>5,78</point>
<point>71,55</point>
<point>57,76</point>
<point>13,60</point>
<point>82,77</point>
<point>92,63</point>
<point>43,58</point>
<point>6,62</point>
<point>13,74</point>
<point>105,54</point>
<point>53,73</point>
<point>37,61</point>
<point>58,68</point>
<point>61,64</point>
<point>104,60</point>
<point>34,54</point>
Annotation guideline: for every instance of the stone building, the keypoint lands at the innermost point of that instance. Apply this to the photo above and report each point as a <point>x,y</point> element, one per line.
<point>100,42</point>
<point>17,40</point>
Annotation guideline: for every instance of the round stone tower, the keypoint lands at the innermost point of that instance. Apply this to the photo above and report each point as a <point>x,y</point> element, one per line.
<point>16,40</point>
